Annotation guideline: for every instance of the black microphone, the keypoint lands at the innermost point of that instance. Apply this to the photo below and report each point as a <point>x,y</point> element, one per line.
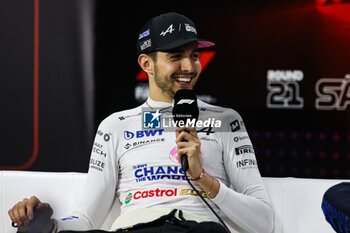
<point>185,111</point>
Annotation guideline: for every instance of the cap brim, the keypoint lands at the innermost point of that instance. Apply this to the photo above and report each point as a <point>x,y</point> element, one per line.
<point>200,43</point>
<point>205,43</point>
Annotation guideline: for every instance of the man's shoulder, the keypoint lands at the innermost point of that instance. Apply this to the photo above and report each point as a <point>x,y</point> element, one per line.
<point>217,110</point>
<point>231,120</point>
<point>122,116</point>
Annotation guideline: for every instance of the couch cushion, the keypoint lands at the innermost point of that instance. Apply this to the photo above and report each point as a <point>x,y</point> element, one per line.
<point>58,189</point>
<point>296,202</point>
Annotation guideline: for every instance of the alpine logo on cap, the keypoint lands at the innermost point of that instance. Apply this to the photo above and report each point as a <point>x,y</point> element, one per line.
<point>170,30</point>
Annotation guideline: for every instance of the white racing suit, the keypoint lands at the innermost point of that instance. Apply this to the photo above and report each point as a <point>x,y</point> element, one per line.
<point>140,166</point>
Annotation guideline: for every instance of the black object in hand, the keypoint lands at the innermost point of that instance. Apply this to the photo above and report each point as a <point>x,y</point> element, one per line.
<point>184,163</point>
<point>185,108</point>
<point>42,217</point>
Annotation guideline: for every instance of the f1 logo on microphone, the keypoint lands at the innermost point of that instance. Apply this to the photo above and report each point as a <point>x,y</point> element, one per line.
<point>185,101</point>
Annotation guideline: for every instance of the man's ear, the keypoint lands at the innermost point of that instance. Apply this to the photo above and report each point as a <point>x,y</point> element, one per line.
<point>146,63</point>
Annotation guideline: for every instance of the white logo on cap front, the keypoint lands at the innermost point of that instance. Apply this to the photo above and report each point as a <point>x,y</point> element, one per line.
<point>190,28</point>
<point>170,30</point>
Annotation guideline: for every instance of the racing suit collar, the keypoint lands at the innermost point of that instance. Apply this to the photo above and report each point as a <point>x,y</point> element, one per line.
<point>156,104</point>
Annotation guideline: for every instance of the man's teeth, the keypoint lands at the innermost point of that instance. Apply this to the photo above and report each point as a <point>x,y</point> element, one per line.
<point>184,79</point>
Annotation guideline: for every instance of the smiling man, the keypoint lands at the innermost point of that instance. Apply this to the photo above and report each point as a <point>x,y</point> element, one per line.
<point>171,71</point>
<point>141,166</point>
<point>168,50</point>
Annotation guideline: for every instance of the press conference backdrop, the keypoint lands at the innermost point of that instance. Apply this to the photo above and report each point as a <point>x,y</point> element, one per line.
<point>46,84</point>
<point>283,65</point>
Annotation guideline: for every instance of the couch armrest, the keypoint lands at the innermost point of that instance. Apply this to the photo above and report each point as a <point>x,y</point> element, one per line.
<point>60,190</point>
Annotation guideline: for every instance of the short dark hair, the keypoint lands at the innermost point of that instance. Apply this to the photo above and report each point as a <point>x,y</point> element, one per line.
<point>153,55</point>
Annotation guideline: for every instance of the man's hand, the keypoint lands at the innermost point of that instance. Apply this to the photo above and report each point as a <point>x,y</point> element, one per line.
<point>188,143</point>
<point>31,213</point>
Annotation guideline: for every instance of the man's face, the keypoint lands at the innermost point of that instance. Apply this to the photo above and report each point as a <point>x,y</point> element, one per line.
<point>177,69</point>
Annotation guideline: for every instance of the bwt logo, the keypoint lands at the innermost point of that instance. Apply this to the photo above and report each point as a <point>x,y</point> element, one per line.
<point>333,94</point>
<point>152,119</point>
<point>140,134</point>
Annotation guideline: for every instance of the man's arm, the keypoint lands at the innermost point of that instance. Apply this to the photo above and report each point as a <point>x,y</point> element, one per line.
<point>188,143</point>
<point>244,198</point>
<point>95,199</point>
<point>247,204</point>
<point>98,193</point>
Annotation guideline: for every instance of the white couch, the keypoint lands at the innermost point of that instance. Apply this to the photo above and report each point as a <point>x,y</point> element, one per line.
<point>296,202</point>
